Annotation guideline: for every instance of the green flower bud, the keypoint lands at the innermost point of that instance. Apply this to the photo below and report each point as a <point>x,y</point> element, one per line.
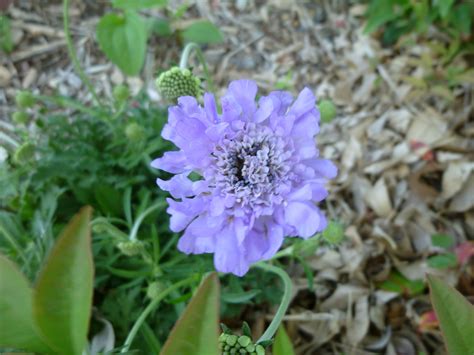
<point>131,247</point>
<point>24,99</point>
<point>121,93</point>
<point>328,110</point>
<point>134,132</point>
<point>231,340</point>
<point>250,348</point>
<point>260,350</point>
<point>24,153</point>
<point>334,233</point>
<point>154,289</point>
<point>20,117</point>
<point>244,340</point>
<point>177,82</point>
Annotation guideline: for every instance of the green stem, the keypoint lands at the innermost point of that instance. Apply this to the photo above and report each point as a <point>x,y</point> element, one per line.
<point>141,319</point>
<point>138,222</point>
<point>73,54</point>
<point>183,63</point>
<point>285,302</point>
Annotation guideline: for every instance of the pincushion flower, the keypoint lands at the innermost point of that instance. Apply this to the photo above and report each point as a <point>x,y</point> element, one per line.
<point>260,174</point>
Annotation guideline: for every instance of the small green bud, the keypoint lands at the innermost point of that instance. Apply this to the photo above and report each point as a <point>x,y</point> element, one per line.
<point>134,132</point>
<point>121,93</point>
<point>244,340</point>
<point>334,233</point>
<point>24,99</point>
<point>154,289</point>
<point>177,82</point>
<point>260,350</point>
<point>243,351</point>
<point>233,351</point>
<point>227,347</point>
<point>24,153</point>
<point>328,110</point>
<point>20,117</point>
<point>131,247</point>
<point>231,340</point>
<point>223,337</point>
<point>250,348</point>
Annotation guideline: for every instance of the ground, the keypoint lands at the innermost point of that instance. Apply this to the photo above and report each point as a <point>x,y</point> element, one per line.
<point>402,139</point>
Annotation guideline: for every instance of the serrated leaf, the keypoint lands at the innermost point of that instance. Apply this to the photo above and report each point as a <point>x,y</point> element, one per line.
<point>282,344</point>
<point>202,32</point>
<point>197,330</point>
<point>455,315</point>
<point>138,4</point>
<point>17,328</point>
<point>62,298</point>
<point>123,39</point>
<point>444,241</point>
<point>442,261</point>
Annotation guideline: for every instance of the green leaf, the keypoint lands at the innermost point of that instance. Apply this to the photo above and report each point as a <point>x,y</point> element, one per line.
<point>442,241</point>
<point>396,282</point>
<point>16,311</point>
<point>461,18</point>
<point>444,6</point>
<point>197,330</point>
<point>6,42</point>
<point>442,261</point>
<point>379,13</point>
<point>455,315</point>
<point>202,32</point>
<point>123,38</point>
<point>62,299</point>
<point>282,344</point>
<point>109,199</point>
<point>162,27</point>
<point>239,297</point>
<point>138,4</point>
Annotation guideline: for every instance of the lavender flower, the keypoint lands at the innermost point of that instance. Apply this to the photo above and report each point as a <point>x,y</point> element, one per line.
<point>261,178</point>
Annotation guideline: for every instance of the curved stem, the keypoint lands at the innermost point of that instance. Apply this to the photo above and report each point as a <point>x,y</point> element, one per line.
<point>138,222</point>
<point>73,55</point>
<point>141,319</point>
<point>285,302</point>
<point>183,63</point>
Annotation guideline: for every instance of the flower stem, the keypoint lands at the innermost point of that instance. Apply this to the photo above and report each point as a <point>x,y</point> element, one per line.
<point>285,302</point>
<point>73,54</point>
<point>183,63</point>
<point>141,319</point>
<point>138,222</point>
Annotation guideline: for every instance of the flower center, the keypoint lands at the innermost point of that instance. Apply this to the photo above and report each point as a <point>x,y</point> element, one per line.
<point>252,165</point>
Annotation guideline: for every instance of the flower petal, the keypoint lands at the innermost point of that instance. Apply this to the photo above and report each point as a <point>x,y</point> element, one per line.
<point>303,217</point>
<point>303,103</point>
<point>228,256</point>
<point>172,162</point>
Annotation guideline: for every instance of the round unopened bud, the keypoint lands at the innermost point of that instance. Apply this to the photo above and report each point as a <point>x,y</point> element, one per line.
<point>134,132</point>
<point>24,99</point>
<point>223,337</point>
<point>328,110</point>
<point>177,82</point>
<point>244,340</point>
<point>24,153</point>
<point>154,289</point>
<point>250,348</point>
<point>131,247</point>
<point>121,93</point>
<point>231,340</point>
<point>20,117</point>
<point>260,350</point>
